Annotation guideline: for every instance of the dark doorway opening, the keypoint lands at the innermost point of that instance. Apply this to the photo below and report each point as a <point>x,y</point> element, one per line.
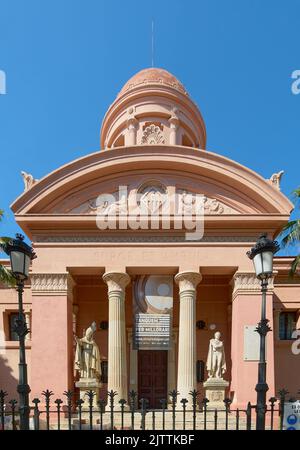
<point>153,376</point>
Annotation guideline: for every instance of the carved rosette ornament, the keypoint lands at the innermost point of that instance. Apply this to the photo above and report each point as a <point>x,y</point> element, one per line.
<point>153,135</point>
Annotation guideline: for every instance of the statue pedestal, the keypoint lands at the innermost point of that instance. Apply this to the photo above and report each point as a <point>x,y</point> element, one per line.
<point>88,384</point>
<point>215,392</point>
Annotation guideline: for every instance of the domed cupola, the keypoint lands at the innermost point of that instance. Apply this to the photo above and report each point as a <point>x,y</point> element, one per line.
<point>153,107</point>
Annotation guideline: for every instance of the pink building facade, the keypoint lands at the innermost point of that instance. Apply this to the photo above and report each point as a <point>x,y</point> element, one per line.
<point>152,144</point>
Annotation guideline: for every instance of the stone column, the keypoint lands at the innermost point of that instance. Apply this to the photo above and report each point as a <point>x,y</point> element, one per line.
<point>117,354</point>
<point>174,122</point>
<point>130,136</point>
<point>186,378</point>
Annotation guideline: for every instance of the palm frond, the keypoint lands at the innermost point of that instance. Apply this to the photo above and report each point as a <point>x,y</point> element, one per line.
<point>294,266</point>
<point>3,241</point>
<point>6,276</point>
<point>290,233</point>
<point>296,193</point>
<point>293,237</point>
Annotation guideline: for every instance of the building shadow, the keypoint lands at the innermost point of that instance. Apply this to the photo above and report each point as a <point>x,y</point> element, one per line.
<point>8,382</point>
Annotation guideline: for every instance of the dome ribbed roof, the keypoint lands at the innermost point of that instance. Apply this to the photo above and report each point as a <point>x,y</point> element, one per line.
<point>153,76</point>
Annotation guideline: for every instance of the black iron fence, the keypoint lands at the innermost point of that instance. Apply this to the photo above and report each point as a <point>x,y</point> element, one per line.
<point>187,414</point>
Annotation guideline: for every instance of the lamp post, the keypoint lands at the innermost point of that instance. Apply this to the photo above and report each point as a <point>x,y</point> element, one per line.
<point>262,254</point>
<point>21,255</point>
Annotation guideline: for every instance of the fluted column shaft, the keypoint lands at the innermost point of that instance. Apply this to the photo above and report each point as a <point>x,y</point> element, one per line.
<point>117,355</point>
<point>186,381</point>
<point>130,136</point>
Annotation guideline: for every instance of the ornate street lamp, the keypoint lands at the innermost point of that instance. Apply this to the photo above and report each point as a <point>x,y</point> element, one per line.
<point>21,255</point>
<point>262,254</point>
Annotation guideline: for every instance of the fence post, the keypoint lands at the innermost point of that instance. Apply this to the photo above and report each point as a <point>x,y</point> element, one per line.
<point>69,394</point>
<point>272,400</point>
<point>163,405</point>
<point>36,413</point>
<point>227,403</point>
<point>237,421</point>
<point>184,401</point>
<point>122,402</point>
<point>143,403</point>
<point>13,404</point>
<point>173,394</point>
<point>248,413</point>
<point>91,394</point>
<point>282,395</point>
<point>58,402</point>
<point>194,394</point>
<point>47,394</point>
<point>101,404</point>
<point>79,404</point>
<point>111,394</point>
<point>204,402</point>
<point>132,403</point>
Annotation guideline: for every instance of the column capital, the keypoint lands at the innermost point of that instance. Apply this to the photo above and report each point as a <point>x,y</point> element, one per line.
<point>132,121</point>
<point>174,122</point>
<point>116,281</point>
<point>188,280</point>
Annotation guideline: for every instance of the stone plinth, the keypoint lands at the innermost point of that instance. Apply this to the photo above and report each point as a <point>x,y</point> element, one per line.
<point>88,384</point>
<point>215,392</point>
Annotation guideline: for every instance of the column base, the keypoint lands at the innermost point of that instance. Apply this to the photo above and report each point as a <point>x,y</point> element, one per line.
<point>215,392</point>
<point>88,384</point>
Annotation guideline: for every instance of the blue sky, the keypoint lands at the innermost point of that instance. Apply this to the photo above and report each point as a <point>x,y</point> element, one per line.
<point>65,61</point>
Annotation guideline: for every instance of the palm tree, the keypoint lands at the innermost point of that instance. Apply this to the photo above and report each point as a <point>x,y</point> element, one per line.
<point>5,274</point>
<point>290,234</point>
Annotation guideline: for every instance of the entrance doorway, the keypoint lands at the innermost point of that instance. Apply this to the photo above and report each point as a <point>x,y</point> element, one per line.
<point>153,376</point>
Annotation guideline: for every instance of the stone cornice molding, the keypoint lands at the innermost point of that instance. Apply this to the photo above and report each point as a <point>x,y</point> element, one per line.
<point>142,238</point>
<point>247,282</point>
<point>187,281</point>
<point>54,283</point>
<point>116,281</point>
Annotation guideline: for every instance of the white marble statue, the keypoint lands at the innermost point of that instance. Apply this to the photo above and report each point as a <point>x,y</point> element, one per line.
<point>276,178</point>
<point>28,179</point>
<point>87,355</point>
<point>216,365</point>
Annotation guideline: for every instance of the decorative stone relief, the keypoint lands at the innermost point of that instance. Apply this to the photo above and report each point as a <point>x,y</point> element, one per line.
<point>248,282</point>
<point>152,196</point>
<point>153,193</point>
<point>49,282</point>
<point>153,135</point>
<point>187,200</point>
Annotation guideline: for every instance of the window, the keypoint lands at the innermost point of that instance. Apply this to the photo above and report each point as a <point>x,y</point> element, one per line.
<point>287,324</point>
<point>12,319</point>
<point>104,370</point>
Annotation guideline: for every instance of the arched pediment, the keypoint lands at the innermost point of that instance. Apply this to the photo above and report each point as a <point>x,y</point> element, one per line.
<point>229,188</point>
